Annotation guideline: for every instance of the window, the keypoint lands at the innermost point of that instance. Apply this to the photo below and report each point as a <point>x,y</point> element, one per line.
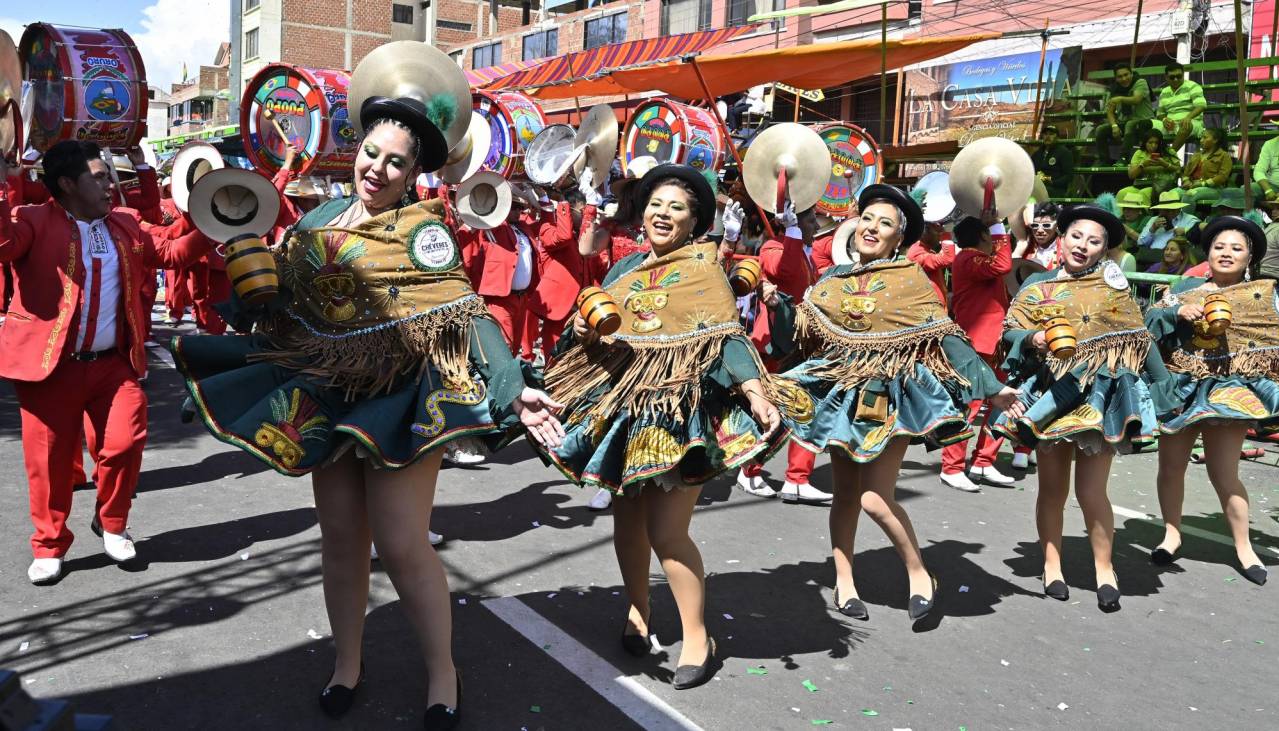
<point>915,9</point>
<point>401,13</point>
<point>454,25</point>
<point>605,30</point>
<point>251,4</point>
<point>740,10</point>
<point>541,45</point>
<point>484,56</point>
<point>685,16</point>
<point>251,43</point>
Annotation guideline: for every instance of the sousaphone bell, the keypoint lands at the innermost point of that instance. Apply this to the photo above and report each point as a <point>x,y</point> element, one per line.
<point>787,161</point>
<point>991,171</point>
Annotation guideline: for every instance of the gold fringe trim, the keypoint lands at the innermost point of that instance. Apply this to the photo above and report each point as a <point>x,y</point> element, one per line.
<point>1259,363</point>
<point>853,361</point>
<point>1122,350</point>
<point>374,362</point>
<point>650,378</point>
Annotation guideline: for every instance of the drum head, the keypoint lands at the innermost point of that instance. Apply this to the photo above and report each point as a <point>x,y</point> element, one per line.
<point>552,155</point>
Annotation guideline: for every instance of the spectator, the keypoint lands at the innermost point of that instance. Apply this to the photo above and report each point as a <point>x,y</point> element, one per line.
<point>1128,114</point>
<point>1154,166</point>
<point>1208,170</point>
<point>1270,262</point>
<point>1134,205</point>
<point>1041,245</point>
<point>1171,219</point>
<point>1054,163</point>
<point>1181,106</point>
<point>1265,174</point>
<point>1177,258</point>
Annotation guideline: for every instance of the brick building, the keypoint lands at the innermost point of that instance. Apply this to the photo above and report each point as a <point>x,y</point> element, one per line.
<point>202,102</point>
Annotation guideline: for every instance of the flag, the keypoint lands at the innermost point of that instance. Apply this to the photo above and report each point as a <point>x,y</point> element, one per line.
<point>184,72</point>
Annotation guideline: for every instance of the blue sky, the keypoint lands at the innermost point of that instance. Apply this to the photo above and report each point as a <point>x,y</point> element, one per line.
<point>169,32</point>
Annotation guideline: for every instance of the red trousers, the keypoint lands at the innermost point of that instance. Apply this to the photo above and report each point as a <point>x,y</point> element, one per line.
<point>512,315</point>
<point>799,465</point>
<point>149,291</point>
<point>105,397</point>
<point>955,456</point>
<point>177,292</point>
<point>551,331</point>
<point>209,287</point>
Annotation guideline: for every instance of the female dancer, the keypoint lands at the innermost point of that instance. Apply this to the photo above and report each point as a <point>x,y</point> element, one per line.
<point>1224,382</point>
<point>375,355</point>
<point>1084,408</point>
<point>664,405</point>
<point>886,366</point>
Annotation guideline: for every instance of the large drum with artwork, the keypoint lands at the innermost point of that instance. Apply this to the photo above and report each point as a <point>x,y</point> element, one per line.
<point>309,106</point>
<point>672,132</point>
<point>514,120</point>
<point>855,162</point>
<point>87,84</point>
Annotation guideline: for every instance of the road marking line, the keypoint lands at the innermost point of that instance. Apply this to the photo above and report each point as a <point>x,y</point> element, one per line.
<point>162,354</point>
<point>1186,529</point>
<point>626,694</point>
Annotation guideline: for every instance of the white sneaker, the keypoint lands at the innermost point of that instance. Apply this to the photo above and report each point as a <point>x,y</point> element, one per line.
<point>458,453</point>
<point>44,570</point>
<point>960,481</point>
<point>805,493</point>
<point>119,546</point>
<point>435,538</point>
<point>754,485</point>
<point>1021,461</point>
<point>601,500</point>
<point>992,476</point>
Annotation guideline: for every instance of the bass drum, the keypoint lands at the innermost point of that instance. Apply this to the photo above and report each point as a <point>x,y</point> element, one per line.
<point>672,132</point>
<point>855,162</point>
<point>87,84</point>
<point>514,120</point>
<point>310,105</point>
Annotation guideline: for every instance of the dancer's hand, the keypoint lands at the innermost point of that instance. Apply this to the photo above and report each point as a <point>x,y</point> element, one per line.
<point>1015,410</point>
<point>765,413</point>
<point>1006,397</point>
<point>1190,313</point>
<point>1040,341</point>
<point>537,413</point>
<point>582,331</point>
<point>768,293</point>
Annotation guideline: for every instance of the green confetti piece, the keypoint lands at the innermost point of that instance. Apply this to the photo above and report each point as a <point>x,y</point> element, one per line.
<point>756,671</point>
<point>809,685</point>
<point>869,712</point>
<point>1087,649</point>
<point>822,722</point>
<point>1231,578</point>
<point>546,647</point>
<point>888,687</point>
<point>535,709</point>
<point>910,703</point>
<point>1259,642</point>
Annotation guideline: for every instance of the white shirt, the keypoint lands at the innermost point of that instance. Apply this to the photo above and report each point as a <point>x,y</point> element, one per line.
<point>523,276</point>
<point>96,244</point>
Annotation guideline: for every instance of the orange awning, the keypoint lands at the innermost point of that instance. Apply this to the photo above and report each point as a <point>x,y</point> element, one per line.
<point>816,66</point>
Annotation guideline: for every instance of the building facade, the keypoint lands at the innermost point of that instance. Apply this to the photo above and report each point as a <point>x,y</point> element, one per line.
<point>204,101</point>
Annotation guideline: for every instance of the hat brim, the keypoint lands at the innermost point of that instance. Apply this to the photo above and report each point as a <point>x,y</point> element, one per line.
<point>434,149</point>
<point>1086,212</point>
<point>1169,206</point>
<point>899,197</point>
<point>684,173</point>
<point>223,226</point>
<point>486,219</point>
<point>840,252</point>
<point>1256,237</point>
<point>184,163</point>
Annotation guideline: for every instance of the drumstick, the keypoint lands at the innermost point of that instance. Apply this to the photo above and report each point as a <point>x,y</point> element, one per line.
<point>270,116</point>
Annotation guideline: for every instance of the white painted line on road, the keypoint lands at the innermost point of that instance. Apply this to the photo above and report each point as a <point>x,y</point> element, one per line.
<point>162,353</point>
<point>1189,530</point>
<point>626,694</point>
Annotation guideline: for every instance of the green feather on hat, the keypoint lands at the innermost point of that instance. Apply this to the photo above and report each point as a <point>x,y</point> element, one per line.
<point>1107,201</point>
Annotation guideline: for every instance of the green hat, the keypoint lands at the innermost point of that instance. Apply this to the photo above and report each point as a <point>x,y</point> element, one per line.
<point>1169,200</point>
<point>1133,197</point>
<point>1231,198</point>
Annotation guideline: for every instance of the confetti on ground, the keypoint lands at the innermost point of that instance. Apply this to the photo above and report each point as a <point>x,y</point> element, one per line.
<point>1004,663</point>
<point>142,636</point>
<point>869,712</point>
<point>822,722</point>
<point>23,647</point>
<point>462,601</point>
<point>1231,578</point>
<point>756,671</point>
<point>552,595</point>
<point>963,589</point>
<point>1259,642</point>
<point>546,647</point>
<point>244,557</point>
<point>535,709</point>
<point>1192,708</point>
<point>732,560</point>
<point>888,687</point>
<point>1062,706</point>
<point>313,634</point>
<point>727,616</point>
<point>809,685</point>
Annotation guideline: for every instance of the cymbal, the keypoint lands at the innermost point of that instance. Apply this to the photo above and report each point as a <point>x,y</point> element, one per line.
<point>415,70</point>
<point>598,133</point>
<point>1001,162</point>
<point>938,203</point>
<point>468,156</point>
<point>10,90</point>
<point>553,154</point>
<point>795,152</point>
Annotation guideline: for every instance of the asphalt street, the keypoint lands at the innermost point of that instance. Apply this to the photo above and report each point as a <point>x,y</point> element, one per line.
<point>221,623</point>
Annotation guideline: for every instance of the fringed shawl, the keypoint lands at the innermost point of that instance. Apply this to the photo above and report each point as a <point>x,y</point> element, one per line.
<point>677,312</point>
<point>1107,321</point>
<point>376,303</point>
<point>1250,347</point>
<point>876,322</point>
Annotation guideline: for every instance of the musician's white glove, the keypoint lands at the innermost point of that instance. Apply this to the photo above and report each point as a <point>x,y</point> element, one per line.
<point>787,217</point>
<point>586,185</point>
<point>732,219</point>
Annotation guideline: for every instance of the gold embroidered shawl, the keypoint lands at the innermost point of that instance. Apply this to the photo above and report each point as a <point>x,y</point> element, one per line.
<point>1107,320</point>
<point>377,302</point>
<point>677,312</point>
<point>876,322</point>
<point>1250,347</point>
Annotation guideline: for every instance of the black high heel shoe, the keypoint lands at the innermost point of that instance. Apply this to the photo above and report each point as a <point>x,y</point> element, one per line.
<point>918,606</point>
<point>1057,590</point>
<point>854,607</point>
<point>1108,598</point>
<point>691,676</point>
<point>440,717</point>
<point>636,645</point>
<point>336,700</point>
<point>1256,573</point>
<point>1163,557</point>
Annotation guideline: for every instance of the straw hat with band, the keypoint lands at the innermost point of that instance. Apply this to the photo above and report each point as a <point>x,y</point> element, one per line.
<point>1087,212</point>
<point>1169,200</point>
<point>230,203</point>
<point>193,161</point>
<point>701,187</point>
<point>484,200</point>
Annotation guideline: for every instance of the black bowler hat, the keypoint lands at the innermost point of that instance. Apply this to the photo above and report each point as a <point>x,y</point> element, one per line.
<point>1256,237</point>
<point>1088,212</point>
<point>686,174</point>
<point>898,197</point>
<point>434,150</point>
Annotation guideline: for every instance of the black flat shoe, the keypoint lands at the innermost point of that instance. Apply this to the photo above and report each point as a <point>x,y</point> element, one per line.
<point>637,645</point>
<point>1162,556</point>
<point>1108,598</point>
<point>1057,590</point>
<point>919,607</point>
<point>854,607</point>
<point>691,676</point>
<point>336,700</point>
<point>1256,574</point>
<point>440,717</point>
<point>96,527</point>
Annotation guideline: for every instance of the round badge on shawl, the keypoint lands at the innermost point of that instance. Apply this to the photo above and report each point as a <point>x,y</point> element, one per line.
<point>432,248</point>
